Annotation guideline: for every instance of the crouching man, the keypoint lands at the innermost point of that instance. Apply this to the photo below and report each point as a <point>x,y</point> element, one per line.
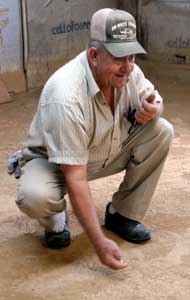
<point>98,115</point>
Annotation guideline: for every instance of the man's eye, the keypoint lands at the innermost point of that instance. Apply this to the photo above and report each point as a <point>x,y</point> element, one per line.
<point>131,58</point>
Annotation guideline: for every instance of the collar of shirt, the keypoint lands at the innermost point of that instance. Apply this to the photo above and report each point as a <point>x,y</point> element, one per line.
<point>93,87</point>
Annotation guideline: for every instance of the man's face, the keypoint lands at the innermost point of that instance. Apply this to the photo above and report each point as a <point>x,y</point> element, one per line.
<point>112,72</point>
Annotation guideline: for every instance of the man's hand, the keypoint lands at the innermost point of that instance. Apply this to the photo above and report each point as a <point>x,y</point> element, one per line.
<point>150,109</point>
<point>109,254</point>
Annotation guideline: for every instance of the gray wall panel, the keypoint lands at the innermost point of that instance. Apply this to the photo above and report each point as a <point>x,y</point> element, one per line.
<point>129,5</point>
<point>165,30</point>
<point>11,58</point>
<point>57,31</point>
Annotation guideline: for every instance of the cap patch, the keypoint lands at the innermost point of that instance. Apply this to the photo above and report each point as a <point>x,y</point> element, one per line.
<point>124,31</point>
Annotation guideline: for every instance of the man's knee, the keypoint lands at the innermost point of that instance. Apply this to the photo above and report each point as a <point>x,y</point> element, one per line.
<point>165,131</point>
<point>31,202</point>
<point>39,193</point>
<point>155,141</point>
<point>38,202</point>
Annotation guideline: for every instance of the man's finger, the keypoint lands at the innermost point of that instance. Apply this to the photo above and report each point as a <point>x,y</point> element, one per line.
<point>149,107</point>
<point>151,98</point>
<point>117,264</point>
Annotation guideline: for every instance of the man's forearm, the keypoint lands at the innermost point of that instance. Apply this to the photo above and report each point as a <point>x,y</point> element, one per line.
<point>81,200</point>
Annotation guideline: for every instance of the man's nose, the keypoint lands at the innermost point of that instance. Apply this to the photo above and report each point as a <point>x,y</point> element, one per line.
<point>127,65</point>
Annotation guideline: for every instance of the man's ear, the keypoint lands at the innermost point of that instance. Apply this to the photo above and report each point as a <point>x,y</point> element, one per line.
<point>93,52</point>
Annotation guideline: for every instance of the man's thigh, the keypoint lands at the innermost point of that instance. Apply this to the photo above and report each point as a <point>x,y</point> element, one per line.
<point>141,141</point>
<point>40,186</point>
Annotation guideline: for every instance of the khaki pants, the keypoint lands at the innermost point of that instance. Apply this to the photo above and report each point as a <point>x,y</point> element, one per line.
<point>41,187</point>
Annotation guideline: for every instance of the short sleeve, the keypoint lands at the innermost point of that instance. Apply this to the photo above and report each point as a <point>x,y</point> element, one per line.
<point>64,133</point>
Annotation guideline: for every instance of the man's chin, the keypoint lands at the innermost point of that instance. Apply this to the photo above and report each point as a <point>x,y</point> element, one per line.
<point>123,80</point>
<point>121,83</point>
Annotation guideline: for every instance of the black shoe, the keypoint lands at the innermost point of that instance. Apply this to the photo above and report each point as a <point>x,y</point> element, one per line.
<point>57,240</point>
<point>130,230</point>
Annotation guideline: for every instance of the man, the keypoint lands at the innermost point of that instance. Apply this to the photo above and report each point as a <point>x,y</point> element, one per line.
<point>97,116</point>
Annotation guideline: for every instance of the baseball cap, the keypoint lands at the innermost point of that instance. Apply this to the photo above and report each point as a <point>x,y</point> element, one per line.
<point>116,30</point>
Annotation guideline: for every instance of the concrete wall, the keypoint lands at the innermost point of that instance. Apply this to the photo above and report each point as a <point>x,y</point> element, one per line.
<point>37,37</point>
<point>129,5</point>
<point>57,31</point>
<point>165,30</point>
<point>11,62</point>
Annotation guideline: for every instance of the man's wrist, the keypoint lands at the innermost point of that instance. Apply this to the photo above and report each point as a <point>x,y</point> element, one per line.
<point>99,241</point>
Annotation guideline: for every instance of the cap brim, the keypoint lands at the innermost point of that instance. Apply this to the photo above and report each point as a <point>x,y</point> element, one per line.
<point>124,49</point>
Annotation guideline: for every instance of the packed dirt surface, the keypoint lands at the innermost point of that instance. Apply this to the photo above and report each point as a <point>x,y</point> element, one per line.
<point>157,270</point>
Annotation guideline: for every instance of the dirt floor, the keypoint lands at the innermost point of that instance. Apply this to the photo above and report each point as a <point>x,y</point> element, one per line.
<point>157,270</point>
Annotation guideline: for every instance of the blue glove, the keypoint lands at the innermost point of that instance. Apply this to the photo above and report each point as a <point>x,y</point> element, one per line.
<point>13,164</point>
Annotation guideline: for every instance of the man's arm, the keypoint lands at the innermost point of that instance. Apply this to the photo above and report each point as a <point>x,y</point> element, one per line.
<point>81,200</point>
